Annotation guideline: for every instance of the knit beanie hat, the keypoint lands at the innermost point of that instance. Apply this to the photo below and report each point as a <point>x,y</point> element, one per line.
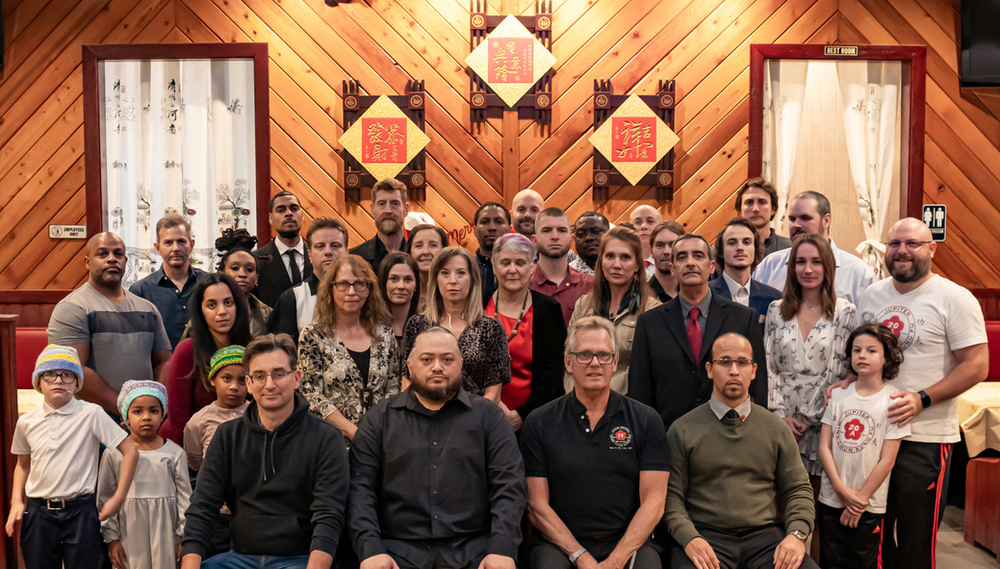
<point>55,357</point>
<point>137,388</point>
<point>226,356</point>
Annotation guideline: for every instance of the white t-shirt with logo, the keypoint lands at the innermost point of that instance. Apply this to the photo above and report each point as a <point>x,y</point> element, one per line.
<point>930,322</point>
<point>860,425</point>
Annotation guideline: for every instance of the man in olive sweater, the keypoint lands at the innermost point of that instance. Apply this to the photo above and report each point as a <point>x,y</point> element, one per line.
<point>731,460</point>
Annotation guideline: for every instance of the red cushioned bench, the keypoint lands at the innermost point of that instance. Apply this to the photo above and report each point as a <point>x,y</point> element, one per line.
<point>30,343</point>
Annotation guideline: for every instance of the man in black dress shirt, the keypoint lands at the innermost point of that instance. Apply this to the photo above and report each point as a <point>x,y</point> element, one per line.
<point>491,221</point>
<point>609,513</point>
<point>389,209</point>
<point>661,242</point>
<point>436,476</point>
<point>757,201</point>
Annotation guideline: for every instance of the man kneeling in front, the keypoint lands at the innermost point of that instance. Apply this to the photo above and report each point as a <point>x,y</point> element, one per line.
<point>437,481</point>
<point>731,460</point>
<point>597,465</point>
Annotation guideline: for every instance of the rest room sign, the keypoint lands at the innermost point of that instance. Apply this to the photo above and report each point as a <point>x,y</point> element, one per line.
<point>936,218</point>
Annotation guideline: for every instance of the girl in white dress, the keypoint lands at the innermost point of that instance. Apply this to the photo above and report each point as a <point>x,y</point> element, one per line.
<point>147,532</point>
<point>804,335</point>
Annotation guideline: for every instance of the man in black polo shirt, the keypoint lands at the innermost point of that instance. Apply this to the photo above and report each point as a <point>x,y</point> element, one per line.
<point>436,477</point>
<point>597,464</point>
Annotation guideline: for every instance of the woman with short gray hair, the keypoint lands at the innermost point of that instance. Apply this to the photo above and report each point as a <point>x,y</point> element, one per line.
<point>534,327</point>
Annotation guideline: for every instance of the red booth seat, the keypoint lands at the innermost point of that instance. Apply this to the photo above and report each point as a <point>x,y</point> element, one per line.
<point>993,340</point>
<point>30,343</point>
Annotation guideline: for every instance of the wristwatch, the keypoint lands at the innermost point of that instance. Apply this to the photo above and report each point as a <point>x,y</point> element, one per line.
<point>576,555</point>
<point>798,534</point>
<point>925,399</point>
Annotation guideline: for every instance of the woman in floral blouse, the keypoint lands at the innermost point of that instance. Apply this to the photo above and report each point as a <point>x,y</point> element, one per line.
<point>804,335</point>
<point>348,356</point>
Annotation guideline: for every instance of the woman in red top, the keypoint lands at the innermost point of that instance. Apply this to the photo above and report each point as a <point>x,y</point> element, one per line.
<point>535,330</point>
<point>220,317</point>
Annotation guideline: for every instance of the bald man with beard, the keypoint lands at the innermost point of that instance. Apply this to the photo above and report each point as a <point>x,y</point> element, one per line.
<point>118,335</point>
<point>525,208</point>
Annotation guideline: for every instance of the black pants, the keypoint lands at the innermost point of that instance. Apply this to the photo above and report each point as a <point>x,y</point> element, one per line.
<point>849,548</point>
<point>544,555</point>
<point>918,487</point>
<point>750,549</point>
<point>70,537</point>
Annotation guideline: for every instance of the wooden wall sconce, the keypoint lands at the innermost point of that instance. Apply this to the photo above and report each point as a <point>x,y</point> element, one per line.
<point>536,103</point>
<point>605,173</point>
<point>414,172</point>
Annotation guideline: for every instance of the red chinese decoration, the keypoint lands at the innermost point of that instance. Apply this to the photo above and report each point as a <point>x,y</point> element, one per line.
<point>633,139</point>
<point>383,140</point>
<point>511,60</point>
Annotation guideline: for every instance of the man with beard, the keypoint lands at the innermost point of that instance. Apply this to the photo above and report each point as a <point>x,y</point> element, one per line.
<point>757,201</point>
<point>282,263</point>
<point>118,335</point>
<point>491,221</point>
<point>810,213</point>
<point>171,286</point>
<point>436,476</point>
<point>731,463</point>
<point>553,275</point>
<point>661,244</point>
<point>526,205</point>
<point>587,233</point>
<point>645,218</point>
<point>941,331</point>
<point>326,240</point>
<point>389,209</point>
<point>738,249</point>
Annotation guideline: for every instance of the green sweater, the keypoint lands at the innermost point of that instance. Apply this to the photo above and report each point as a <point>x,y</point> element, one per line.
<point>728,473</point>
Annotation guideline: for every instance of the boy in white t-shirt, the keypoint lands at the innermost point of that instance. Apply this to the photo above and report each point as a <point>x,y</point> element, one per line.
<point>858,447</point>
<point>56,446</point>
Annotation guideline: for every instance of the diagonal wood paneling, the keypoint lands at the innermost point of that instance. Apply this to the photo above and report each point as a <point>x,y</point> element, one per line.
<point>703,44</point>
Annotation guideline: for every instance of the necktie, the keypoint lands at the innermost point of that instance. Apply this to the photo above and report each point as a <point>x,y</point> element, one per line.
<point>694,332</point>
<point>294,265</point>
<point>731,414</point>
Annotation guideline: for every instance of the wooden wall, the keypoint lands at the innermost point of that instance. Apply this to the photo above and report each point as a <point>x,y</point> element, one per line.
<point>703,44</point>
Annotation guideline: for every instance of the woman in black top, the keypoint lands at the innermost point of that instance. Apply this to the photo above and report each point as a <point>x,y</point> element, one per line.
<point>398,278</point>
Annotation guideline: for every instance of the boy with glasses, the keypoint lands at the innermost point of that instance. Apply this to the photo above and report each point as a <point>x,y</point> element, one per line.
<point>56,446</point>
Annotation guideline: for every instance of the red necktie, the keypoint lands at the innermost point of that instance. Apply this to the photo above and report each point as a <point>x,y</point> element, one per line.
<point>694,332</point>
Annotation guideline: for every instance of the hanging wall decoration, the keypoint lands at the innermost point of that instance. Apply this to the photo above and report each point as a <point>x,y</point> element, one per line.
<point>384,138</point>
<point>635,139</point>
<point>511,56</point>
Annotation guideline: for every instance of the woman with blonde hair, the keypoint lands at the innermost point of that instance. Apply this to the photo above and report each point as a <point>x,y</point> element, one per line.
<point>348,355</point>
<point>454,301</point>
<point>620,295</point>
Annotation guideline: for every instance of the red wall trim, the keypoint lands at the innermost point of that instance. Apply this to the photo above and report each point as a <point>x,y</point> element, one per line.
<point>913,55</point>
<point>27,296</point>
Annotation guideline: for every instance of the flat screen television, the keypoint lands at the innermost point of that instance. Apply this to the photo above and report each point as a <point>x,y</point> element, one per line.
<point>980,43</point>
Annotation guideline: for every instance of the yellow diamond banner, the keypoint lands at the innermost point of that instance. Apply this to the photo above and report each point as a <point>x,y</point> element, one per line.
<point>384,139</point>
<point>510,60</point>
<point>634,139</point>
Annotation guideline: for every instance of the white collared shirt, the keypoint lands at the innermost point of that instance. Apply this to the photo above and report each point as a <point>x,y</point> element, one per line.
<point>739,293</point>
<point>63,445</point>
<point>720,409</point>
<point>852,278</point>
<point>300,257</point>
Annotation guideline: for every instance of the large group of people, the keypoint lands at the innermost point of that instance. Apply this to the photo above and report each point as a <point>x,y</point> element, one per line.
<point>646,400</point>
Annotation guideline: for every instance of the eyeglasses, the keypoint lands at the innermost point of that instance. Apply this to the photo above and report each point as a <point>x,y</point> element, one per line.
<point>911,244</point>
<point>58,377</point>
<point>359,286</point>
<point>585,357</point>
<point>741,363</point>
<point>277,375</point>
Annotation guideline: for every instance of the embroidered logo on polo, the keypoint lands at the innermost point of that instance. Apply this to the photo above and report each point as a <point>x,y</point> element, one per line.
<point>901,321</point>
<point>621,438</point>
<point>856,428</point>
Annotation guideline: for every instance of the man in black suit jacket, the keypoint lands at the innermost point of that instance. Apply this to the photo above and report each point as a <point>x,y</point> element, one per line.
<point>389,209</point>
<point>275,269</point>
<point>665,373</point>
<point>738,249</point>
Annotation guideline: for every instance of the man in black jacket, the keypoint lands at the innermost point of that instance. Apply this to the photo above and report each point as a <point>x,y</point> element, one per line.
<point>436,475</point>
<point>673,341</point>
<point>282,263</point>
<point>389,209</point>
<point>282,472</point>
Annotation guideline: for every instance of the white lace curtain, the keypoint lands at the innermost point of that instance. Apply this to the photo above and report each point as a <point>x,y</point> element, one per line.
<point>870,92</point>
<point>784,96</point>
<point>178,138</point>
